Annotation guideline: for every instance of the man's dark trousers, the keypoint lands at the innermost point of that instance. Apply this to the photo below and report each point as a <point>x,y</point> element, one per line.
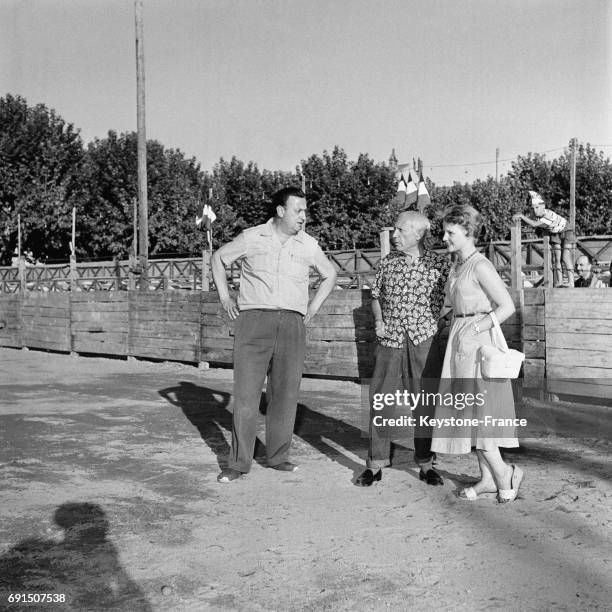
<point>413,368</point>
<point>268,342</point>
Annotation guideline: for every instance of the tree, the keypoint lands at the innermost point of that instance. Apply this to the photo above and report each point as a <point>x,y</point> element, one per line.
<point>41,159</point>
<point>176,189</point>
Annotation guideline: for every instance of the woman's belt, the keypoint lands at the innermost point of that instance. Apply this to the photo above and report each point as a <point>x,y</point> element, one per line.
<point>471,314</point>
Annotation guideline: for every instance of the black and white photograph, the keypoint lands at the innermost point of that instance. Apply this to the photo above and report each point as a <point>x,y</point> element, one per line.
<point>305,305</point>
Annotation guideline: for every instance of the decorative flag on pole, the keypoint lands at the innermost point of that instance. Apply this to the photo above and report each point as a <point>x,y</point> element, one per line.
<point>423,199</point>
<point>208,216</point>
<point>411,192</point>
<point>400,195</point>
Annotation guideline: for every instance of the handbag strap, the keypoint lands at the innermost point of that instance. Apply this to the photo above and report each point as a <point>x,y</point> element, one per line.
<point>496,330</point>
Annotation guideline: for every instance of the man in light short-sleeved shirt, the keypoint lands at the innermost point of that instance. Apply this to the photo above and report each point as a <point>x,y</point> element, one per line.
<point>271,313</point>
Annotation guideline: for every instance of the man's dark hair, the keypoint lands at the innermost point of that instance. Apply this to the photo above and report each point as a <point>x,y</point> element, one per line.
<point>282,195</point>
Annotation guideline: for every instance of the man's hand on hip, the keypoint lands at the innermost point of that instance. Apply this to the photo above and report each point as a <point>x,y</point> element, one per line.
<point>230,307</point>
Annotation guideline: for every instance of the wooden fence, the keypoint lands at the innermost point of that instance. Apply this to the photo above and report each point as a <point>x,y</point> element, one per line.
<point>356,269</point>
<point>186,326</point>
<point>566,334</point>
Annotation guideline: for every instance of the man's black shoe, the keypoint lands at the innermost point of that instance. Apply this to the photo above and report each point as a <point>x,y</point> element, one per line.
<point>432,477</point>
<point>285,466</point>
<point>367,478</point>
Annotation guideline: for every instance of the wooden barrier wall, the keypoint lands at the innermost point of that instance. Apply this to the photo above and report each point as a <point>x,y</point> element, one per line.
<point>188,326</point>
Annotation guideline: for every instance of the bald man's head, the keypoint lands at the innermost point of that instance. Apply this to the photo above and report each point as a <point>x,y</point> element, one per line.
<point>583,267</point>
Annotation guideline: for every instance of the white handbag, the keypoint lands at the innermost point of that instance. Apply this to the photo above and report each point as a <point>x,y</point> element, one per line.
<point>499,361</point>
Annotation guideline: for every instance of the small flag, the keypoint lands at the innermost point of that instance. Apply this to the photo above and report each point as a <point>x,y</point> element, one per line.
<point>401,184</point>
<point>423,199</point>
<point>400,195</point>
<point>411,191</point>
<point>208,216</point>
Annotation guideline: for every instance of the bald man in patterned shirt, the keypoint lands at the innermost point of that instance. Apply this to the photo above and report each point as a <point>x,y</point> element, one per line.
<point>407,300</point>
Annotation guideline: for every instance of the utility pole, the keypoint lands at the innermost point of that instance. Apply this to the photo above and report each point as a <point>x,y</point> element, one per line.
<point>143,206</point>
<point>496,164</point>
<point>572,203</point>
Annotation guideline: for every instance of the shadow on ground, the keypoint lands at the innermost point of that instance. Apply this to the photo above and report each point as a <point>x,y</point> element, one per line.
<point>83,567</point>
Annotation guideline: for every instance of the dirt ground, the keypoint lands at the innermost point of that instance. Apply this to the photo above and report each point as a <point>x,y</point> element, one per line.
<point>109,496</point>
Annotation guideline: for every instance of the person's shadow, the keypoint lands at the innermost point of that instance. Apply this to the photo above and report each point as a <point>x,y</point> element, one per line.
<point>207,410</point>
<point>84,566</point>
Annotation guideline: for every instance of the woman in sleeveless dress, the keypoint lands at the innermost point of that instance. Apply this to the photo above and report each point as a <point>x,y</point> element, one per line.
<point>474,290</point>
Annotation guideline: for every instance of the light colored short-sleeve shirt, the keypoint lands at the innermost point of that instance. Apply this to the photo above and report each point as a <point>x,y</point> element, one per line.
<point>274,275</point>
<point>554,222</point>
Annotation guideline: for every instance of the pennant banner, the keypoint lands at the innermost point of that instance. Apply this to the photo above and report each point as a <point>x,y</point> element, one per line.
<point>423,199</point>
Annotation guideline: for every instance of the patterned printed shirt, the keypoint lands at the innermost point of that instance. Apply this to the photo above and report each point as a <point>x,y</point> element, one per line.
<point>411,295</point>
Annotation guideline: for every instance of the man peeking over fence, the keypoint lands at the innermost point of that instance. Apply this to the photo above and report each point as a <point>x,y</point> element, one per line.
<point>271,315</point>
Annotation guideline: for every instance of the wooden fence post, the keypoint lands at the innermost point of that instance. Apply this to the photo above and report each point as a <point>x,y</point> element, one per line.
<point>385,243</point>
<point>22,276</point>
<point>516,278</point>
<point>73,273</point>
<point>206,255</point>
<point>546,262</point>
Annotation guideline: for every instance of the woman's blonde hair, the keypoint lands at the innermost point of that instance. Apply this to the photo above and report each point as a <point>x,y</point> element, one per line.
<point>466,216</point>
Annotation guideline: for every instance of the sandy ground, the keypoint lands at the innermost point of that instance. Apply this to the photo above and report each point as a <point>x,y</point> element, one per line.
<point>108,495</point>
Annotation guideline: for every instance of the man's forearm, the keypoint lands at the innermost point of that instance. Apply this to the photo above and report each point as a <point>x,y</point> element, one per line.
<point>376,310</point>
<point>218,272</point>
<point>325,288</point>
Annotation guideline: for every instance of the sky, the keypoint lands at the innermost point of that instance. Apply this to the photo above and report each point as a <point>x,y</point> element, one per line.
<point>275,81</point>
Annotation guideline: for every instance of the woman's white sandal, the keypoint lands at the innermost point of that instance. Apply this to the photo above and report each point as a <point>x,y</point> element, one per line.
<point>507,495</point>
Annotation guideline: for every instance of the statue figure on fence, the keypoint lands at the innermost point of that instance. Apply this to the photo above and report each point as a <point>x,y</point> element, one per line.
<point>271,313</point>
<point>407,299</point>
<point>562,237</point>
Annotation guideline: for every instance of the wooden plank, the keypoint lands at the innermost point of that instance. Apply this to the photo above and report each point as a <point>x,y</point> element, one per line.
<point>106,348</point>
<point>165,327</point>
<point>533,372</point>
<point>100,306</point>
<point>29,311</point>
<point>96,297</point>
<point>575,357</point>
<point>580,326</point>
<point>165,297</point>
<point>574,310</point>
<point>45,322</point>
<point>534,332</point>
<point>216,354</point>
<point>211,308</point>
<point>186,354</point>
<point>534,349</point>
<point>50,300</point>
<point>561,296</point>
<point>583,388</point>
<point>157,343</point>
<point>533,296</point>
<point>49,345</point>
<point>579,372</point>
<point>340,334</point>
<point>108,317</point>
<point>595,342</point>
<point>106,336</point>
<point>225,331</point>
<point>533,315</point>
<point>358,319</point>
<point>210,320</point>
<point>95,326</point>
<point>216,343</point>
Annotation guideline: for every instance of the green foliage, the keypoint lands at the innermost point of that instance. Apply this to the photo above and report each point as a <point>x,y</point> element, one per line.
<point>175,187</point>
<point>45,172</point>
<point>41,158</point>
<point>348,201</point>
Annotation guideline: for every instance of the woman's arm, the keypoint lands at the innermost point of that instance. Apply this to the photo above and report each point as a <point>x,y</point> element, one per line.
<point>496,291</point>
